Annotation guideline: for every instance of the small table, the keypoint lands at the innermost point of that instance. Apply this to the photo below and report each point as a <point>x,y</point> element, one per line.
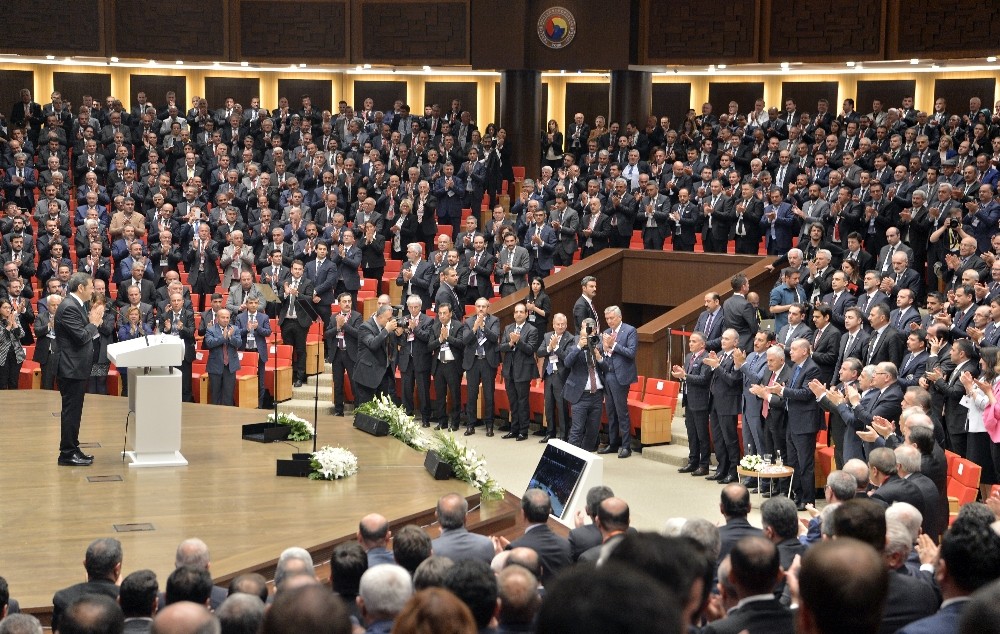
<point>773,472</point>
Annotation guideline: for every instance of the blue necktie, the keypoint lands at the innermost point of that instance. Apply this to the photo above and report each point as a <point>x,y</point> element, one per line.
<point>795,375</point>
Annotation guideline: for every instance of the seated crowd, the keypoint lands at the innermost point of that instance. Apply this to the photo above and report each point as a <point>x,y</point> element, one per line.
<point>864,565</point>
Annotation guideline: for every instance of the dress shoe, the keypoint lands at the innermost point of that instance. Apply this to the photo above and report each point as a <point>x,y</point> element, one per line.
<point>489,433</point>
<point>625,452</point>
<point>454,428</point>
<point>297,383</point>
<point>338,412</point>
<point>522,437</point>
<point>700,471</point>
<point>509,435</point>
<point>425,424</point>
<point>715,476</point>
<point>752,490</point>
<point>608,449</point>
<point>80,454</point>
<point>766,493</point>
<point>73,460</point>
<point>688,468</point>
<point>801,506</point>
<point>727,480</point>
<point>469,431</point>
<point>439,427</point>
<point>545,439</point>
<point>540,432</point>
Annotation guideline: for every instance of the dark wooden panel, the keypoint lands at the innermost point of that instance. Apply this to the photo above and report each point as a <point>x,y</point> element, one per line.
<point>929,28</point>
<point>73,86</point>
<point>156,88</point>
<point>590,99</point>
<point>411,31</point>
<point>957,93</point>
<point>319,90</point>
<point>824,30</point>
<point>181,29</point>
<point>442,92</point>
<point>384,94</point>
<point>806,94</point>
<point>53,27</point>
<point>672,100</point>
<point>721,93</point>
<point>890,92</point>
<point>676,32</point>
<point>217,89</point>
<point>497,108</point>
<point>309,30</point>
<point>11,83</point>
<point>489,51</point>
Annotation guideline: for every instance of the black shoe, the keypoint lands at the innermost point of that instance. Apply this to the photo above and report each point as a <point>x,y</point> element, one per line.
<point>425,424</point>
<point>752,490</point>
<point>522,437</point>
<point>801,506</point>
<point>688,468</point>
<point>297,383</point>
<point>80,454</point>
<point>73,460</point>
<point>469,431</point>
<point>608,449</point>
<point>715,476</point>
<point>625,452</point>
<point>439,427</point>
<point>541,432</point>
<point>509,435</point>
<point>766,493</point>
<point>545,439</point>
<point>338,412</point>
<point>700,471</point>
<point>454,428</point>
<point>727,480</point>
<point>489,433</point>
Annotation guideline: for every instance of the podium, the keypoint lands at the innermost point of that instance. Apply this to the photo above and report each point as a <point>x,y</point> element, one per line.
<point>154,394</point>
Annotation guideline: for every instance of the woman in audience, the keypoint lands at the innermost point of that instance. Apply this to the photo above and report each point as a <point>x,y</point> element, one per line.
<point>946,148</point>
<point>976,400</point>
<point>989,385</point>
<point>11,351</point>
<point>132,328</point>
<point>854,280</point>
<point>539,305</point>
<point>434,611</point>
<point>552,145</point>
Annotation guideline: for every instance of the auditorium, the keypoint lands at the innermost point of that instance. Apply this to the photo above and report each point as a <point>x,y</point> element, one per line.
<point>310,308</point>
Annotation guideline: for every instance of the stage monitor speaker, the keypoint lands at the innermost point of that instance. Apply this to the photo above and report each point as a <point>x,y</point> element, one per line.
<point>265,432</point>
<point>300,466</point>
<point>371,425</point>
<point>439,469</point>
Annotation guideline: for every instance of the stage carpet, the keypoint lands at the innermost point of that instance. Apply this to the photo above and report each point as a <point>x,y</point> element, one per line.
<point>228,495</point>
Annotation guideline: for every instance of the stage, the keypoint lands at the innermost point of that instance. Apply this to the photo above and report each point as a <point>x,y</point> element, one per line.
<point>228,495</point>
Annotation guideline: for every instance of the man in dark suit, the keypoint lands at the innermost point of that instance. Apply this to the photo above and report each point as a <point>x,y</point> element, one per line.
<point>686,221</point>
<point>586,536</point>
<point>739,314</point>
<point>825,342</point>
<point>773,412</point>
<point>584,387</point>
<point>323,274</point>
<point>890,487</point>
<point>223,339</point>
<point>804,421</point>
<point>518,345</point>
<point>584,306</point>
<point>565,221</point>
<point>347,258</point>
<point>445,345</point>
<point>695,377</point>
<point>595,228</point>
<point>201,261</point>
<point>342,347</point>
<point>726,387</point>
<point>448,290</point>
<point>481,263</point>
<point>178,320</point>
<point>619,342</point>
<point>415,275</point>
<point>885,343</point>
<point>76,327</point>
<point>914,363</point>
<point>103,563</point>
<point>294,318</point>
<point>551,353</point>
<point>711,321</point>
<point>839,299</point>
<point>716,226</point>
<point>950,387</point>
<point>854,341</point>
<point>480,338</point>
<point>744,212</point>
<point>734,504</point>
<point>754,571</point>
<point>414,359</point>
<point>376,340</point>
<point>844,437</point>
<point>455,541</point>
<point>255,328</point>
<point>935,519</point>
<point>553,550</point>
<point>540,241</point>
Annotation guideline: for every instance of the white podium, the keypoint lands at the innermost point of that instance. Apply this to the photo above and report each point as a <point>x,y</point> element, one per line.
<point>154,394</point>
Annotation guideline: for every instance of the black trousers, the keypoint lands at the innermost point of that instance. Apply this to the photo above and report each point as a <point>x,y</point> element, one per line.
<point>802,456</point>
<point>448,378</point>
<point>727,445</point>
<point>221,387</point>
<point>699,445</point>
<point>422,381</point>
<point>652,240</point>
<point>73,392</point>
<point>10,371</point>
<point>49,374</point>
<point>481,374</point>
<point>341,364</point>
<point>616,401</point>
<point>557,420</point>
<point>293,333</point>
<point>518,393</point>
<point>587,420</point>
<point>363,393</point>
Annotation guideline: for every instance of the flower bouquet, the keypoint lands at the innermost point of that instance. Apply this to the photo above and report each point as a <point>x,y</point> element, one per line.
<point>752,462</point>
<point>299,428</point>
<point>333,463</point>
<point>401,426</point>
<point>467,465</point>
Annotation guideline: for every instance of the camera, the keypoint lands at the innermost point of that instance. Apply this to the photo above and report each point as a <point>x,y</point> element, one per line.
<point>953,223</point>
<point>591,335</point>
<point>399,313</point>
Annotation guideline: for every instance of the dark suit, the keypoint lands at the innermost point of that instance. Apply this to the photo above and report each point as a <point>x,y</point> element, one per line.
<point>203,274</point>
<point>711,325</point>
<point>955,414</point>
<point>583,309</point>
<point>620,373</point>
<point>518,370</point>
<point>586,405</point>
<point>553,550</point>
<point>825,352</point>
<point>446,367</point>
<point>373,373</point>
<point>342,352</point>
<point>912,368</point>
<point>223,362</point>
<point>480,280</point>
<point>255,344</point>
<point>735,529</point>
<point>887,346</point>
<point>481,358</point>
<point>415,365</point>
<point>804,423</point>
<point>755,617</point>
<point>419,284</point>
<point>459,544</point>
<point>63,598</point>
<point>896,489</point>
<point>726,387</point>
<point>909,599</point>
<point>740,315</point>
<point>697,403</point>
<point>74,339</point>
<point>944,620</point>
<point>295,321</point>
<point>554,372</point>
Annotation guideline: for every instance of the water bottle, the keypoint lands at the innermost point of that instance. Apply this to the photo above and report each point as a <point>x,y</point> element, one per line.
<point>779,461</point>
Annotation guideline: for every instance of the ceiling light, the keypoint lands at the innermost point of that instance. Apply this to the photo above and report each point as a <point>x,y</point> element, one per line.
<point>358,68</point>
<point>302,65</point>
<point>53,57</point>
<point>114,60</point>
<point>784,65</point>
<point>914,61</point>
<point>711,68</point>
<point>179,62</point>
<point>991,58</point>
<point>216,64</point>
<point>427,69</point>
<point>850,64</point>
<point>152,62</point>
<point>367,66</point>
<point>562,72</point>
<point>721,67</point>
<point>244,64</point>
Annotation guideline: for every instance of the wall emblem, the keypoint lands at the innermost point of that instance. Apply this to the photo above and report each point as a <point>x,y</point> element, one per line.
<point>556,27</point>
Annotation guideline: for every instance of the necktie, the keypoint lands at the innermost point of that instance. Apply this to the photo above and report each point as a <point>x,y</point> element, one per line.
<point>591,373</point>
<point>766,407</point>
<point>225,354</point>
<point>819,333</point>
<point>795,375</point>
<point>708,324</point>
<point>849,346</point>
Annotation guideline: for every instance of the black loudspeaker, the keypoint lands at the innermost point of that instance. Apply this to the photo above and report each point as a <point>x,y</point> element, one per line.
<point>370,425</point>
<point>265,432</point>
<point>439,469</point>
<point>300,466</point>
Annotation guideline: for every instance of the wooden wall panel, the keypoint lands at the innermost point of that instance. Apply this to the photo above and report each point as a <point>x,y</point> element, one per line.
<point>957,93</point>
<point>11,83</point>
<point>156,88</point>
<point>602,36</point>
<point>442,92</point>
<point>181,29</point>
<point>309,30</point>
<point>824,30</point>
<point>74,85</point>
<point>690,32</point>
<point>672,100</point>
<point>411,32</point>
<point>806,94</point>
<point>590,99</point>
<point>384,94</point>
<point>51,27</point>
<point>721,93</point>
<point>545,106</point>
<point>890,92</point>
<point>930,28</point>
<point>319,90</point>
<point>217,89</point>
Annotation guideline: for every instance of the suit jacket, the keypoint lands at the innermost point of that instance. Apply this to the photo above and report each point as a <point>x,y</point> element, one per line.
<point>542,254</point>
<point>210,276</point>
<point>889,346</point>
<point>697,396</point>
<point>740,315</point>
<point>825,353</point>
<point>375,343</point>
<point>227,259</point>
<point>491,332</point>
<point>756,617</point>
<point>350,331</point>
<point>621,361</point>
<point>520,264</point>
<point>480,272</point>
<point>305,296</point>
<point>414,353</point>
<point>553,550</point>
<point>735,529</point>
<point>74,337</point>
<point>599,235</point>
<point>583,539</point>
<point>260,332</point>
<point>454,340</point>
<point>838,306</point>
<point>935,516</point>
<point>800,401</point>
<point>183,329</point>
<point>566,236</point>
<point>216,341</point>
<point>865,303</point>
<point>519,359</point>
<point>419,284</point>
<point>896,489</point>
<point>458,544</point>
<point>910,599</point>
<point>912,368</point>
<point>713,335</point>
<point>324,280</point>
<point>582,309</point>
<point>858,346</point>
<point>562,348</point>
<point>63,598</point>
<point>579,373</point>
<point>902,322</point>
<point>790,333</point>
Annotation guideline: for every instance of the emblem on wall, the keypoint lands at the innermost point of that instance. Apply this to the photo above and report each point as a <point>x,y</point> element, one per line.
<point>556,27</point>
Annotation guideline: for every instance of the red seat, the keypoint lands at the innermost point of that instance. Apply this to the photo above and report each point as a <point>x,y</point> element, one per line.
<point>651,405</point>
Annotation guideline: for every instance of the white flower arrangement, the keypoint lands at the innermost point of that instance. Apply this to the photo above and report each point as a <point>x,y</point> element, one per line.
<point>401,426</point>
<point>333,463</point>
<point>467,465</point>
<point>300,428</point>
<point>752,462</point>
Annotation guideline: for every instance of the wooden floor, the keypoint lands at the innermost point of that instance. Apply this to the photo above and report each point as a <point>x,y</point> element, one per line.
<point>228,495</point>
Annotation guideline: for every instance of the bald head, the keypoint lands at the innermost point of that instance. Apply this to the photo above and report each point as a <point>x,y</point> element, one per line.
<point>373,531</point>
<point>192,552</point>
<point>185,617</point>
